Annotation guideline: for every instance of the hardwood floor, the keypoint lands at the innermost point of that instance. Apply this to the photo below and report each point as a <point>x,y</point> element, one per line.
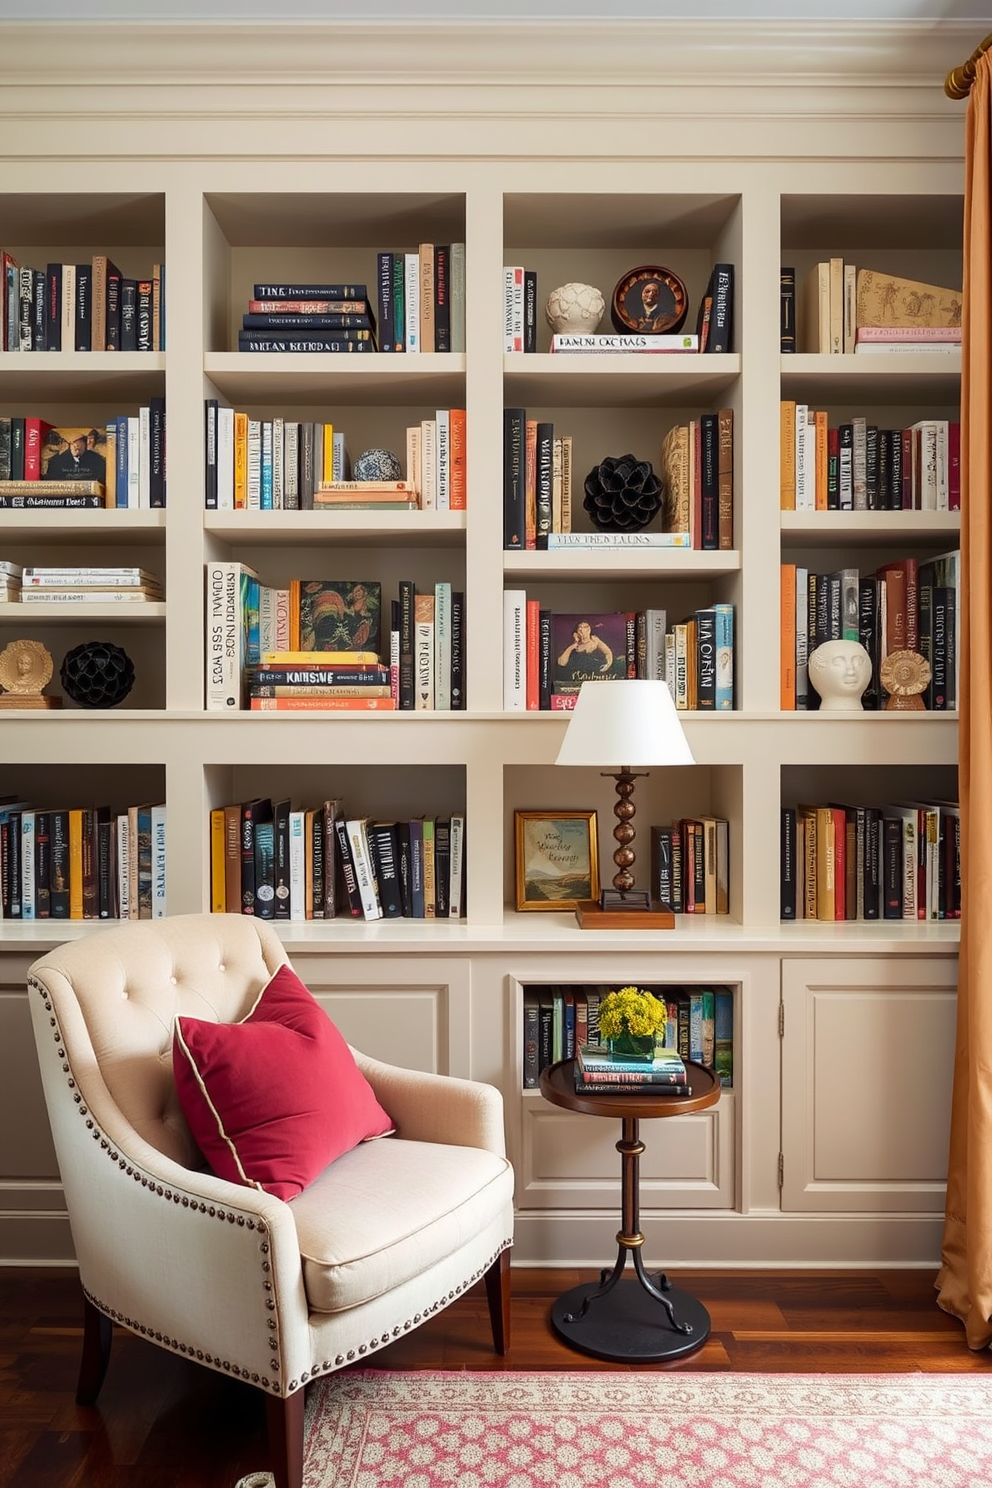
<point>163,1422</point>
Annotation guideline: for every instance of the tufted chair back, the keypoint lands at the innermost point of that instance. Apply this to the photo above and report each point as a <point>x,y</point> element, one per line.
<point>116,998</point>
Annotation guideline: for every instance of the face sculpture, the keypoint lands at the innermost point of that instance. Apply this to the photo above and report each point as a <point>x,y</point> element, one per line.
<point>840,671</point>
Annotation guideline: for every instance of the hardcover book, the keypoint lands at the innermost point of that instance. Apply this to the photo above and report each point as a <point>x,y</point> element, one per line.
<point>335,615</point>
<point>587,647</point>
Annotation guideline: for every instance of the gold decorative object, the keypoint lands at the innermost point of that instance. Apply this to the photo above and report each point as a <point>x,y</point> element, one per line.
<point>25,668</point>
<point>904,675</point>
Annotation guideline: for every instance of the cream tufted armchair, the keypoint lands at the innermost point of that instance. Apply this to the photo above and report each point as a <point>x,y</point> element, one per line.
<point>275,1293</point>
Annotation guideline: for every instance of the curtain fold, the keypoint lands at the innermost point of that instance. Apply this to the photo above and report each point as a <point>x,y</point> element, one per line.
<point>965,1280</point>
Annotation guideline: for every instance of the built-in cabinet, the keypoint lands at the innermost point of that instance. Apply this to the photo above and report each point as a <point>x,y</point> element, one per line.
<point>829,1146</point>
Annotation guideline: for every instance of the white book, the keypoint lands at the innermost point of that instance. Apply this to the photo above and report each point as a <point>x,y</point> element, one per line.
<point>670,662</point>
<point>68,329</point>
<point>291,467</point>
<point>254,498</point>
<point>225,459</point>
<point>668,342</point>
<point>87,578</point>
<point>513,308</point>
<point>428,464</point>
<point>561,540</point>
<point>225,658</point>
<point>297,865</point>
<point>457,869</point>
<point>27,865</point>
<point>515,650</point>
<point>278,459</point>
<point>133,462</point>
<point>266,619</point>
<point>123,866</point>
<point>442,646</point>
<point>84,596</point>
<point>442,460</point>
<point>859,463</point>
<point>943,461</point>
<point>364,876</point>
<point>144,457</point>
<point>655,625</point>
<point>411,302</point>
<point>340,462</point>
<point>159,910</point>
<point>871,348</point>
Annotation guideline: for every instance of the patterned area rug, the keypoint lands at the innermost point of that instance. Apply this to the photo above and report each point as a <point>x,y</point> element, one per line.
<point>379,1429</point>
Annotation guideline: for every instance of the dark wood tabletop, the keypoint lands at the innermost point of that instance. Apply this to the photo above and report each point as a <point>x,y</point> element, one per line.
<point>558,1087</point>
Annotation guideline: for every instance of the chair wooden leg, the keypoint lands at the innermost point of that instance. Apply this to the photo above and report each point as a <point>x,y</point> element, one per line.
<point>285,1418</point>
<point>498,1294</point>
<point>98,1332</point>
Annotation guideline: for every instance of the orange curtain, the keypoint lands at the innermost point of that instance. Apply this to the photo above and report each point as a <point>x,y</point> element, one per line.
<point>965,1280</point>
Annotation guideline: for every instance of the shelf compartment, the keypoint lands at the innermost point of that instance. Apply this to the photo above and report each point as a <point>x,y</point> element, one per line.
<point>81,376</point>
<point>914,377</point>
<point>315,377</point>
<point>827,529</point>
<point>103,528</point>
<point>343,529</point>
<point>631,380</point>
<point>148,613</point>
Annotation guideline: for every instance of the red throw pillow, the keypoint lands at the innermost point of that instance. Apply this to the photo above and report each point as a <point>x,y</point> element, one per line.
<point>275,1098</point>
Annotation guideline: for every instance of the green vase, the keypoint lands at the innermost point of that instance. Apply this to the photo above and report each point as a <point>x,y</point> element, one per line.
<point>638,1046</point>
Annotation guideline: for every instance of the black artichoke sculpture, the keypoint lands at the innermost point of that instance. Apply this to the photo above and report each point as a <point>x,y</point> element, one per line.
<point>622,494</point>
<point>97,674</point>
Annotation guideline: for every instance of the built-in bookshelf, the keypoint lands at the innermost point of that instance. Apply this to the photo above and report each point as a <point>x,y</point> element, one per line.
<point>224,224</point>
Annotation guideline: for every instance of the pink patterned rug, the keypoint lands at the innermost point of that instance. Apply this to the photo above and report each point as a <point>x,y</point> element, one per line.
<point>425,1429</point>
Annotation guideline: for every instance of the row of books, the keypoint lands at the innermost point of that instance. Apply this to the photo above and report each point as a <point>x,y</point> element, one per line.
<point>81,307</point>
<point>690,865</point>
<point>905,605</point>
<point>697,473</point>
<point>317,645</point>
<point>857,466</point>
<point>896,862</point>
<point>560,1020</point>
<point>537,481</point>
<point>119,464</point>
<point>421,298</point>
<point>548,655</point>
<point>280,465</point>
<point>280,862</point>
<point>75,584</point>
<point>85,863</point>
<point>843,309</point>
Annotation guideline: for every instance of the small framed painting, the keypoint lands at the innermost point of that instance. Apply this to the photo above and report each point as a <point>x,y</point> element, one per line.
<point>650,299</point>
<point>556,859</point>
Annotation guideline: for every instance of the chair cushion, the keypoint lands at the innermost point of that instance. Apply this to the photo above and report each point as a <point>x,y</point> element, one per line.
<point>275,1098</point>
<point>389,1211</point>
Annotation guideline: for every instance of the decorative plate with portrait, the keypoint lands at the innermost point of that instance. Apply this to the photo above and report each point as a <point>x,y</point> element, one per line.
<point>650,300</point>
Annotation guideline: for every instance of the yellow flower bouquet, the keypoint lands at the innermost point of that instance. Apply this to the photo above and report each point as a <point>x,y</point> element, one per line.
<point>632,1021</point>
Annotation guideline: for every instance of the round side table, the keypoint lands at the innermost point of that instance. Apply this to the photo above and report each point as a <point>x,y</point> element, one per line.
<point>644,1319</point>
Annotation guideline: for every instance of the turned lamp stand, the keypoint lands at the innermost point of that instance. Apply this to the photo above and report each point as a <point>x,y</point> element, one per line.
<point>624,907</point>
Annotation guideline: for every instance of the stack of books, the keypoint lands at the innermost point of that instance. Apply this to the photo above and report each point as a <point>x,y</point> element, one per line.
<point>10,580</point>
<point>308,317</point>
<point>600,1072</point>
<point>76,585</point>
<point>907,338</point>
<point>295,681</point>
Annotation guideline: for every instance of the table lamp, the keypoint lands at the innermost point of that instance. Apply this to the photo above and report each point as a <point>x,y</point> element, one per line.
<point>620,724</point>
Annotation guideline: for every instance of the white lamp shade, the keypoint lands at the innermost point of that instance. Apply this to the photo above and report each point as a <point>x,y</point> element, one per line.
<point>624,723</point>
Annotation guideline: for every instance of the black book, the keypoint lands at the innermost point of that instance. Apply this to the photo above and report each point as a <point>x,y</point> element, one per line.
<point>12,859</point>
<point>845,467</point>
<point>709,440</point>
<point>330,321</point>
<point>210,408</point>
<point>38,317</point>
<point>53,307</point>
<point>721,291</point>
<point>787,309</point>
<point>310,292</point>
<point>821,627</point>
<point>58,878</point>
<point>442,297</point>
<point>408,591</point>
<point>106,868</point>
<point>924,624</point>
<point>307,331</point>
<point>42,865</point>
<point>869,634</point>
<point>40,503</point>
<point>871,906</point>
<point>442,868</point>
<point>115,301</point>
<point>84,307</point>
<point>250,810</point>
<point>17,449</point>
<point>281,868</point>
<point>384,290</point>
<point>942,660</point>
<point>530,309</point>
<point>706,660</point>
<point>457,651</point>
<point>404,868</point>
<point>545,459</point>
<point>156,451</point>
<point>265,866</point>
<point>348,883</point>
<point>892,850</point>
<point>384,850</point>
<point>417,869</point>
<point>331,811</point>
<point>289,342</point>
<point>788,863</point>
<point>5,871</point>
<point>514,428</point>
<point>129,314</point>
<point>872,482</point>
<point>544,660</point>
<point>399,301</point>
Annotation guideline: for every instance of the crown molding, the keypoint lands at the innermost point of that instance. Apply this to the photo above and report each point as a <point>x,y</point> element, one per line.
<point>639,54</point>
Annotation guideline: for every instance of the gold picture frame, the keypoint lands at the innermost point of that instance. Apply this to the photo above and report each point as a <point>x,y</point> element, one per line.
<point>548,840</point>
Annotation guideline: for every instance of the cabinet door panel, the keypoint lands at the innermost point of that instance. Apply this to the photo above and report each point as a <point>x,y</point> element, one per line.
<point>866,1082</point>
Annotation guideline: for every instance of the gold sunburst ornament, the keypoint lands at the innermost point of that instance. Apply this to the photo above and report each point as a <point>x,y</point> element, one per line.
<point>904,675</point>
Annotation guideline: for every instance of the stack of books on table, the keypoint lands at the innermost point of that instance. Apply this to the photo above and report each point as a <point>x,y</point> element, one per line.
<point>600,1072</point>
<point>79,585</point>
<point>299,681</point>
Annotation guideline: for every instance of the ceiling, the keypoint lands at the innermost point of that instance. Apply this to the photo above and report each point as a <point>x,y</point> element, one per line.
<point>486,10</point>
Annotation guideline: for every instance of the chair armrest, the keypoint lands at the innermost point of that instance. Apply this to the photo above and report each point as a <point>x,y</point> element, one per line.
<point>437,1108</point>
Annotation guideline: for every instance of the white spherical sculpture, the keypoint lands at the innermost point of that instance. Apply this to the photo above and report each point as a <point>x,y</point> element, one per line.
<point>574,309</point>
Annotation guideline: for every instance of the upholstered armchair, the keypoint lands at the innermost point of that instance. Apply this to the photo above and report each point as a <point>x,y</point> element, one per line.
<point>276,1292</point>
